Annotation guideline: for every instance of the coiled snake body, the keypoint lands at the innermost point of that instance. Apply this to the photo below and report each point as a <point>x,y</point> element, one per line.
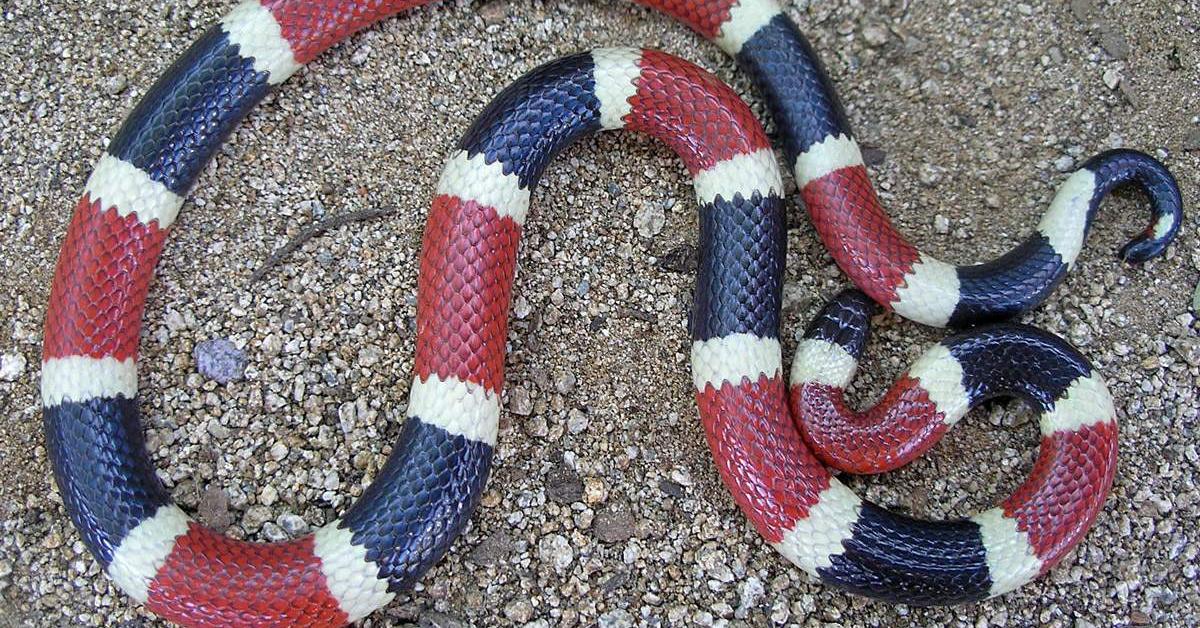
<point>429,486</point>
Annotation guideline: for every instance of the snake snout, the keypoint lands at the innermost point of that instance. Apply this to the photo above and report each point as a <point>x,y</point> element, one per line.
<point>1143,248</point>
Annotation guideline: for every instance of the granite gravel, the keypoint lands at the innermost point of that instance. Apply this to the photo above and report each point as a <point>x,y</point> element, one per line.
<point>603,508</point>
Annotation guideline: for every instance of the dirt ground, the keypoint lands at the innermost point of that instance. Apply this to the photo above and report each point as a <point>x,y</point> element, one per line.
<point>603,507</point>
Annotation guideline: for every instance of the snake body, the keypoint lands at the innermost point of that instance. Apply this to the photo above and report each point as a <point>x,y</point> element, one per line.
<point>994,551</point>
<point>421,499</point>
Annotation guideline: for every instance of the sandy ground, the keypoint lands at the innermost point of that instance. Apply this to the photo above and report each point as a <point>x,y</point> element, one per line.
<point>603,507</point>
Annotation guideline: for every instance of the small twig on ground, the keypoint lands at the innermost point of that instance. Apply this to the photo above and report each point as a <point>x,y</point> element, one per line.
<point>314,230</point>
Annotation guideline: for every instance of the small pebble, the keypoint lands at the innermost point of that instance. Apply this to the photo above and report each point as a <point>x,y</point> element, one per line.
<point>555,550</point>
<point>255,517</point>
<point>273,533</point>
<point>12,366</point>
<point>294,525</point>
<point>618,618</point>
<point>577,421</point>
<point>218,431</point>
<point>565,383</point>
<point>213,510</point>
<point>563,484</point>
<point>613,524</point>
<point>519,611</point>
<point>268,495</point>
<point>115,84</point>
<point>361,55</point>
<point>220,360</point>
<point>876,35</point>
<point>1112,78</point>
<point>369,356</point>
<point>873,156</point>
<point>649,220</point>
<point>750,592</point>
<point>519,402</point>
<point>594,491</point>
<point>493,12</point>
<point>493,550</point>
<point>929,175</point>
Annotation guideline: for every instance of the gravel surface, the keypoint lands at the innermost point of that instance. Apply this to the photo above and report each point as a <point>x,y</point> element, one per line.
<point>603,507</point>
